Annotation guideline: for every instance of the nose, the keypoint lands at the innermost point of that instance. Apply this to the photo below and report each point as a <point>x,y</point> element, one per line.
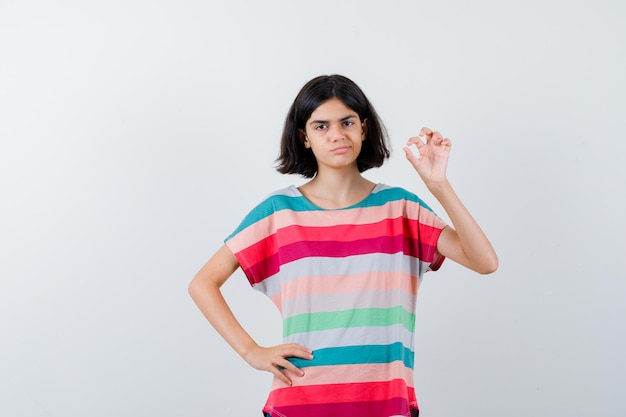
<point>335,132</point>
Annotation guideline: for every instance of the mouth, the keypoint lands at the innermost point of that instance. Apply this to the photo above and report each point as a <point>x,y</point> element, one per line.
<point>340,149</point>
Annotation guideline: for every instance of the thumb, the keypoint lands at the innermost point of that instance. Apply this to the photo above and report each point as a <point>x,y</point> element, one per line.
<point>411,156</point>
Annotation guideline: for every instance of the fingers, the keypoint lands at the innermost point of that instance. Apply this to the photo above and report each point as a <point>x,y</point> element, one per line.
<point>275,360</point>
<point>434,137</point>
<point>283,366</point>
<point>425,132</point>
<point>415,140</point>
<point>280,375</point>
<point>431,136</point>
<point>294,350</point>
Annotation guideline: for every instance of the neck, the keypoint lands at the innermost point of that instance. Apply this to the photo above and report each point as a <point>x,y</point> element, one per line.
<point>332,189</point>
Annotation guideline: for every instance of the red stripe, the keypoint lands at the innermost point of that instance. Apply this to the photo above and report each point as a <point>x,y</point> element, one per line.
<point>342,233</point>
<point>392,407</point>
<point>260,260</point>
<point>340,393</point>
<point>383,244</point>
<point>261,270</point>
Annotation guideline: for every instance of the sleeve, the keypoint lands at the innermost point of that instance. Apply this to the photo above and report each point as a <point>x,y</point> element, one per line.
<point>254,243</point>
<point>426,227</point>
<point>430,228</point>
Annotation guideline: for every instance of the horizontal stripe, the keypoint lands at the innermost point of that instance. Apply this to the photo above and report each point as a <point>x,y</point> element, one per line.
<point>281,221</point>
<point>293,290</point>
<point>363,354</point>
<point>334,249</point>
<point>338,374</point>
<point>341,393</point>
<point>397,225</point>
<point>357,299</point>
<point>266,242</point>
<point>394,407</point>
<point>271,266</point>
<point>383,245</point>
<point>349,318</point>
<point>325,269</point>
<point>270,217</point>
<point>370,335</point>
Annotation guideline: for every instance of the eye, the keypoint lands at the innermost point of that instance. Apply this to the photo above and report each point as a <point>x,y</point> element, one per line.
<point>348,123</point>
<point>320,127</point>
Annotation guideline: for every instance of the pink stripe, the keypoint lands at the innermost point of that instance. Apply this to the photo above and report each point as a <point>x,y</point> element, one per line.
<point>364,215</point>
<point>359,216</point>
<point>338,374</point>
<point>370,281</point>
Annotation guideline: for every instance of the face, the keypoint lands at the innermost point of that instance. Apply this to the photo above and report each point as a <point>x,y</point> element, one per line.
<point>334,133</point>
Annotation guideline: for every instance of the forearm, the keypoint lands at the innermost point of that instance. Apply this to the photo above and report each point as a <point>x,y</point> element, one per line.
<point>467,243</point>
<point>213,306</point>
<point>205,292</point>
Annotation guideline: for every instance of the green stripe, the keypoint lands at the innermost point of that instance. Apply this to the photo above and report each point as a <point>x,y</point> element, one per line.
<point>366,317</point>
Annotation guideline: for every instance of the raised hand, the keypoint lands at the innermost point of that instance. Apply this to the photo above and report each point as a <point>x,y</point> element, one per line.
<point>431,162</point>
<point>273,359</point>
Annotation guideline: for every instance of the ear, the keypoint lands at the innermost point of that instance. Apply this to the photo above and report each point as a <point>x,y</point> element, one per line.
<point>304,139</point>
<point>364,126</point>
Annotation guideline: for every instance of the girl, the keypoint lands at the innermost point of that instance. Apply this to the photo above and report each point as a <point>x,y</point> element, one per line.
<point>342,259</point>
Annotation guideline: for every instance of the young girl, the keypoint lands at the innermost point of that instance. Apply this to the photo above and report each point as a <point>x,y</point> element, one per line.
<point>342,258</point>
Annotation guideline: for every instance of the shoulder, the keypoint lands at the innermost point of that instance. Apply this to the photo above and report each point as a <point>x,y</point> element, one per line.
<point>384,193</point>
<point>284,198</point>
<point>274,201</point>
<point>395,193</point>
<point>281,199</point>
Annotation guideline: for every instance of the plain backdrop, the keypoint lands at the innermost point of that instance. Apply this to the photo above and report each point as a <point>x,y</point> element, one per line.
<point>135,135</point>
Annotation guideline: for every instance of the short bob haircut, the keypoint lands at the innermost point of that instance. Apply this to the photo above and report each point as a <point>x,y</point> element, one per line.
<point>296,159</point>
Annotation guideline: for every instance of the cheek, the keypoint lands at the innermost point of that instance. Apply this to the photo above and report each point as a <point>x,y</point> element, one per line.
<point>361,145</point>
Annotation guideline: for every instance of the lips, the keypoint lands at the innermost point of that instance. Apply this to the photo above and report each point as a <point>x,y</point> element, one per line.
<point>341,149</point>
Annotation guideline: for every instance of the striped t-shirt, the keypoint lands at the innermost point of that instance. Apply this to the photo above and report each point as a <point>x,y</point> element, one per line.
<point>345,282</point>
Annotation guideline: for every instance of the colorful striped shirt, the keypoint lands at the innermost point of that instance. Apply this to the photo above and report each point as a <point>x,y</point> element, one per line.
<point>345,282</point>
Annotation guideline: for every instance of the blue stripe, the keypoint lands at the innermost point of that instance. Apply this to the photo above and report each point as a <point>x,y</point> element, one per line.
<point>353,355</point>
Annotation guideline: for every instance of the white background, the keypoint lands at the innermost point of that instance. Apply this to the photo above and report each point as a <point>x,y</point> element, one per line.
<point>136,134</point>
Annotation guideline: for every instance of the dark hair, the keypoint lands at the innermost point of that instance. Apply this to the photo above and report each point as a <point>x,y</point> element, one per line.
<point>296,159</point>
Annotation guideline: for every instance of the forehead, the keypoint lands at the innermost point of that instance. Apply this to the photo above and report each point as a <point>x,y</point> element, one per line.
<point>332,109</point>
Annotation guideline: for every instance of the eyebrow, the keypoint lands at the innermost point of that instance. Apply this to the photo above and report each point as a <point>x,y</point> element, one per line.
<point>343,119</point>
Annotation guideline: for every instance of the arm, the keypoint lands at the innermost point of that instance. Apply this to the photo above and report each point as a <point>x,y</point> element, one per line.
<point>205,292</point>
<point>466,243</point>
